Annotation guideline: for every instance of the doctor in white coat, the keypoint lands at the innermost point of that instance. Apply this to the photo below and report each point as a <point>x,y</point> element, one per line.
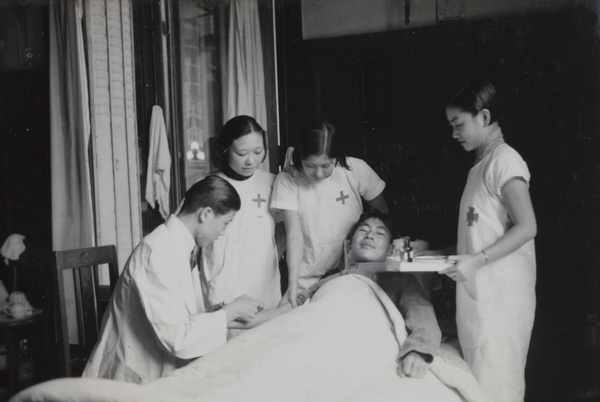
<point>156,319</point>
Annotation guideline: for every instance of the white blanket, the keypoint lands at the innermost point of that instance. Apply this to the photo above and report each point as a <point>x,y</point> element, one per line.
<point>339,347</point>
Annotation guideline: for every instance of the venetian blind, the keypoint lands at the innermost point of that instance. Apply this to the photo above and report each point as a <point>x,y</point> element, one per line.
<point>109,34</point>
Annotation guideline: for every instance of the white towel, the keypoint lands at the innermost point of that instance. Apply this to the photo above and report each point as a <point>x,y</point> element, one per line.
<point>158,175</point>
<point>288,157</point>
<point>13,247</point>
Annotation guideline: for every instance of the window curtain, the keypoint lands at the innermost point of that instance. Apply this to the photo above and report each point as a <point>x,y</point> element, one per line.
<point>245,67</point>
<point>96,195</point>
<point>72,211</point>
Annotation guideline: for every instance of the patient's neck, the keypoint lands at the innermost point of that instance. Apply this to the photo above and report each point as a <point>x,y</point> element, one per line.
<point>371,266</point>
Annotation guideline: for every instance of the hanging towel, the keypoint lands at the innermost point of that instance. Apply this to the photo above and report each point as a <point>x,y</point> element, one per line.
<point>13,247</point>
<point>288,157</point>
<point>158,175</point>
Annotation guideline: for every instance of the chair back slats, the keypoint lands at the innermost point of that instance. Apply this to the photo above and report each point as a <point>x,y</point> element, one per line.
<point>89,316</point>
<point>82,266</point>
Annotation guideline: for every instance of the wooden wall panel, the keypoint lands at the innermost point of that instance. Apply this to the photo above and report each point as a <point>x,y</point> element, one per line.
<point>545,66</point>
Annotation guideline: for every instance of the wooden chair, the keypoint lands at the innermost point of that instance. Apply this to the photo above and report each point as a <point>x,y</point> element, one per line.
<point>91,299</point>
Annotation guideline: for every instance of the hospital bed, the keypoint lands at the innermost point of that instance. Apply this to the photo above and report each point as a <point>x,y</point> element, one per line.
<point>341,346</point>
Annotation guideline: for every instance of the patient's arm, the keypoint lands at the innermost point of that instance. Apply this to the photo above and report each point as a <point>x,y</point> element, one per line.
<point>424,334</point>
<point>260,318</point>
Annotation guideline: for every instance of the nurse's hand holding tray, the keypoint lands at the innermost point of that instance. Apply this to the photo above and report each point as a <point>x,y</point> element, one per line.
<point>424,260</point>
<point>425,263</point>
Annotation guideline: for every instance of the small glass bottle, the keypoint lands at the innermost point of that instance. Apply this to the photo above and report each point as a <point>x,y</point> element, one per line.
<point>408,251</point>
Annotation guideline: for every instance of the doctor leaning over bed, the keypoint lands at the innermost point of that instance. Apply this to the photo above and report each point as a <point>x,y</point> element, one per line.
<point>156,317</point>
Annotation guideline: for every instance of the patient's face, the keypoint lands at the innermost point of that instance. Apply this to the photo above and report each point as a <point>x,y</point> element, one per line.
<point>371,241</point>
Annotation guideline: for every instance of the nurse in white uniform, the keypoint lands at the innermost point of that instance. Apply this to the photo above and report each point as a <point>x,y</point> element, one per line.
<point>321,196</point>
<point>495,266</point>
<point>244,260</point>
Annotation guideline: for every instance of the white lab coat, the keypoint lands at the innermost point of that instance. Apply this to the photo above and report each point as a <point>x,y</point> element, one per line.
<point>156,319</point>
<point>495,310</point>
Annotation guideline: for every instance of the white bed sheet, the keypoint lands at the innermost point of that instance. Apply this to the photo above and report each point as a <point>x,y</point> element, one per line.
<point>339,347</point>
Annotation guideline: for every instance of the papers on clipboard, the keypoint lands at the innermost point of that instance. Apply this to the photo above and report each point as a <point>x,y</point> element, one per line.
<point>430,263</point>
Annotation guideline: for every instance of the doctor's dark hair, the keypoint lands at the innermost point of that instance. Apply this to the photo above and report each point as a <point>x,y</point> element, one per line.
<point>388,221</point>
<point>478,94</point>
<point>235,128</point>
<point>319,139</point>
<point>213,192</point>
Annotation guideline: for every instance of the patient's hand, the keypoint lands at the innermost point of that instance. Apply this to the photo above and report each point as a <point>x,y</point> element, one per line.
<point>413,365</point>
<point>243,309</point>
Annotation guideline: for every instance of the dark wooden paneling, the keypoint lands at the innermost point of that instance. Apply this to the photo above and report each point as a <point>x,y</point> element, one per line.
<point>546,69</point>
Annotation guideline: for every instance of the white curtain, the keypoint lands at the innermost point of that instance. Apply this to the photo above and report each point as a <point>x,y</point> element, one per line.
<point>245,69</point>
<point>72,212</point>
<point>93,102</point>
<point>94,161</point>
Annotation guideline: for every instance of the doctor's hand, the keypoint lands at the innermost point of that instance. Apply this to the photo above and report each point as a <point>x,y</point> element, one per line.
<point>243,309</point>
<point>464,267</point>
<point>413,365</point>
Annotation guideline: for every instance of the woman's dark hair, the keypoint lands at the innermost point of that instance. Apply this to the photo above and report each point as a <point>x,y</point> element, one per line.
<point>476,95</point>
<point>213,192</point>
<point>388,221</point>
<point>235,128</point>
<point>319,139</point>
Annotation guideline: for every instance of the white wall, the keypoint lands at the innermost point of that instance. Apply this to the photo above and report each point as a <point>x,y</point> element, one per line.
<point>329,18</point>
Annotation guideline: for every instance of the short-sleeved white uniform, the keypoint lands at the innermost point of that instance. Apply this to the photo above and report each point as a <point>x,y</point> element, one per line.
<point>495,310</point>
<point>244,259</point>
<point>327,210</point>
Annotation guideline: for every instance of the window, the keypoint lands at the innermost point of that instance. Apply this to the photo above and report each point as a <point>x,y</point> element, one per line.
<point>184,64</point>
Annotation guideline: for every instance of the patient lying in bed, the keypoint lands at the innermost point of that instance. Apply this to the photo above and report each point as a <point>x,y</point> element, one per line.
<point>345,344</point>
<point>348,342</point>
<point>371,243</point>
